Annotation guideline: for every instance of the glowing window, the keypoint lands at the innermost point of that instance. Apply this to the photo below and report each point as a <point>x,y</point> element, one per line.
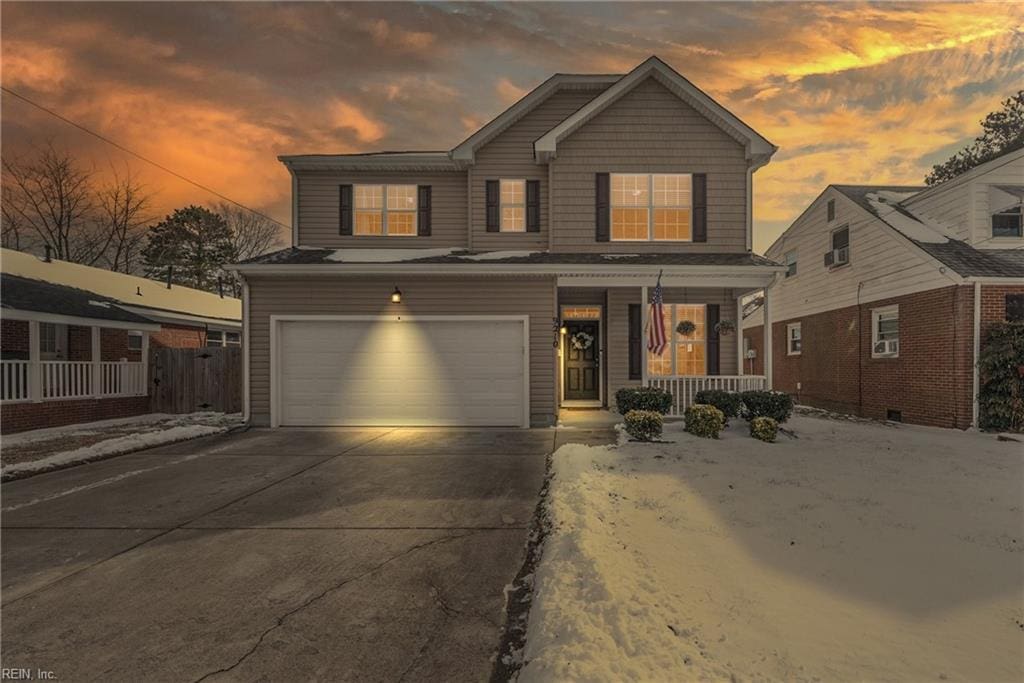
<point>654,207</point>
<point>581,312</point>
<point>375,216</point>
<point>686,354</point>
<point>513,205</point>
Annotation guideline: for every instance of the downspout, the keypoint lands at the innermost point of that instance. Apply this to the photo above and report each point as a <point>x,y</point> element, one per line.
<point>976,379</point>
<point>860,353</point>
<point>246,413</point>
<point>295,207</point>
<point>750,208</point>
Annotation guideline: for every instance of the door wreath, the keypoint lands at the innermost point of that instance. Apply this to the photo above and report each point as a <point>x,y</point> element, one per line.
<point>581,341</point>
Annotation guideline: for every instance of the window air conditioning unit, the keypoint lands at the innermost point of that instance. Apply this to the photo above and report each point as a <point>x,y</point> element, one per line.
<point>837,257</point>
<point>887,347</point>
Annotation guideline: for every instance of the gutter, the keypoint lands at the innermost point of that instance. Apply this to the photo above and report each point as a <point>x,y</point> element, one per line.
<point>975,375</point>
<point>563,269</point>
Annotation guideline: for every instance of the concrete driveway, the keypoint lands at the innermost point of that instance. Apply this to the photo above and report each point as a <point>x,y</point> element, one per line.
<point>354,554</point>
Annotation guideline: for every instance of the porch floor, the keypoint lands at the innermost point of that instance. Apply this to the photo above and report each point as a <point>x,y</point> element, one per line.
<point>587,418</point>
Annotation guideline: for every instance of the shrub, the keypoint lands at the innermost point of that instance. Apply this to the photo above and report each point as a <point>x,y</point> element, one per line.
<point>729,402</point>
<point>777,405</point>
<point>643,398</point>
<point>764,428</point>
<point>643,425</point>
<point>1001,368</point>
<point>703,420</point>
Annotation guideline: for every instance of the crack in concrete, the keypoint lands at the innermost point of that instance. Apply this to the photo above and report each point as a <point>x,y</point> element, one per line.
<point>279,622</point>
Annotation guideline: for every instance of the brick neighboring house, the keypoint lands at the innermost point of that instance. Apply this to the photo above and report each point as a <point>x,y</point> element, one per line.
<point>889,292</point>
<point>73,339</point>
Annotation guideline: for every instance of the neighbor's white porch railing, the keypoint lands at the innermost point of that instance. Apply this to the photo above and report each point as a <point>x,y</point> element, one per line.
<point>62,379</point>
<point>684,389</point>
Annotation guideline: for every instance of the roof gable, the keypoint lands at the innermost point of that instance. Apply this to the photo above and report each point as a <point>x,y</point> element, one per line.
<point>758,149</point>
<point>466,151</point>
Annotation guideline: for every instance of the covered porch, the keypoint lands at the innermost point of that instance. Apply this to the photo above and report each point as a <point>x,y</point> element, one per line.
<point>603,325</point>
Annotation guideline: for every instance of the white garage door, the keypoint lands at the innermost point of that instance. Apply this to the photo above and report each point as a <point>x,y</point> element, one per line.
<point>410,372</point>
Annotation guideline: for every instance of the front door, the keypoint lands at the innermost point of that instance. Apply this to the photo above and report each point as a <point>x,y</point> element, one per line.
<point>582,348</point>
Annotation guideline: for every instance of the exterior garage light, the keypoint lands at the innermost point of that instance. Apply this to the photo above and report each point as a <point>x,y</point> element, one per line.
<point>396,296</point>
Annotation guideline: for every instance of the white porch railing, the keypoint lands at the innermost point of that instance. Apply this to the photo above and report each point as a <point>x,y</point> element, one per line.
<point>61,379</point>
<point>684,389</point>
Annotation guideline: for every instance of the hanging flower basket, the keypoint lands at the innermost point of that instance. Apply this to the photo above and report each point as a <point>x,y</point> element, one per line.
<point>686,327</point>
<point>581,341</point>
<point>725,327</point>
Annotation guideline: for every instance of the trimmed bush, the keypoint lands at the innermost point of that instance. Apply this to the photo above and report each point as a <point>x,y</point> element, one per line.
<point>642,398</point>
<point>1001,368</point>
<point>764,428</point>
<point>729,402</point>
<point>643,425</point>
<point>704,420</point>
<point>777,405</point>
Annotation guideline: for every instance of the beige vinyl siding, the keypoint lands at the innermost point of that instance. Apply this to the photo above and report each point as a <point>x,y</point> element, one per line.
<point>882,263</point>
<point>319,219</point>
<point>617,348</point>
<point>510,155</point>
<point>325,295</point>
<point>649,130</point>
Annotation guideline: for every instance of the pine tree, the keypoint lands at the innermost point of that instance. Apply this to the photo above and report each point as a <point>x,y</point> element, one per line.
<point>194,242</point>
<point>1002,132</point>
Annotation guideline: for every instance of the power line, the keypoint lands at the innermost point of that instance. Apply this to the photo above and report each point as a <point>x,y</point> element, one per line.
<point>139,156</point>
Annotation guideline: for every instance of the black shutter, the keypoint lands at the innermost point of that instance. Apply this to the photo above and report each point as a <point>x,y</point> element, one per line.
<point>532,206</point>
<point>635,342</point>
<point>714,347</point>
<point>345,210</point>
<point>700,207</point>
<point>602,207</point>
<point>423,210</point>
<point>493,195</point>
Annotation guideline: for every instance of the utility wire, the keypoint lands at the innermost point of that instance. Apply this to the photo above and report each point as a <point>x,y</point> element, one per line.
<point>139,156</point>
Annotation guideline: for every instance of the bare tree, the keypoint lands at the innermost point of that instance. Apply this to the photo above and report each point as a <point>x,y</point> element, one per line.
<point>122,207</point>
<point>12,232</point>
<point>252,234</point>
<point>52,197</point>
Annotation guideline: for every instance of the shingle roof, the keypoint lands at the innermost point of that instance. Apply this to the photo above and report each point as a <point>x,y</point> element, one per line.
<point>25,294</point>
<point>293,256</point>
<point>958,255</point>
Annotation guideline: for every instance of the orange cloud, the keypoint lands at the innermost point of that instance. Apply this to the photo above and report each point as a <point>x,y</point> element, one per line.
<point>508,91</point>
<point>345,115</point>
<point>33,66</point>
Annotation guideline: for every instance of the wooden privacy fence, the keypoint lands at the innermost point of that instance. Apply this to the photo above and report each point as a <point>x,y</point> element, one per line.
<point>190,380</point>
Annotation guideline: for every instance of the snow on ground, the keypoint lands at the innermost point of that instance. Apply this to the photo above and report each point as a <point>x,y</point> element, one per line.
<point>48,449</point>
<point>854,552</point>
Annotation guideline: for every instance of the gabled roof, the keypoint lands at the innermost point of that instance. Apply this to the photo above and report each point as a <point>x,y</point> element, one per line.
<point>467,149</point>
<point>967,175</point>
<point>891,205</point>
<point>759,150</point>
<point>26,294</point>
<point>126,289</point>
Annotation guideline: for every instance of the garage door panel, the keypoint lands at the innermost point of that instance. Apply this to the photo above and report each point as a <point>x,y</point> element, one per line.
<point>414,372</point>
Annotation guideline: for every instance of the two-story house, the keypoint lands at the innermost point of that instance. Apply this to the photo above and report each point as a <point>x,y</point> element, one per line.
<point>883,308</point>
<point>504,279</point>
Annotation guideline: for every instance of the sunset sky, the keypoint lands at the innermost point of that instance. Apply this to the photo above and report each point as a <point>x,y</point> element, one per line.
<point>851,93</point>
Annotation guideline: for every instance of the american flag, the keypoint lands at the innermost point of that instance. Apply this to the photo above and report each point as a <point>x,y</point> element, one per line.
<point>657,340</point>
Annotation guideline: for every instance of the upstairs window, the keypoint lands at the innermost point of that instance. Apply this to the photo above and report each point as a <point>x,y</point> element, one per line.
<point>839,254</point>
<point>513,205</point>
<point>651,207</point>
<point>385,210</point>
<point>790,259</point>
<point>1007,223</point>
<point>885,332</point>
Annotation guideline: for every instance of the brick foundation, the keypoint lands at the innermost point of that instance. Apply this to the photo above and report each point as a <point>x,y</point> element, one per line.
<point>20,417</point>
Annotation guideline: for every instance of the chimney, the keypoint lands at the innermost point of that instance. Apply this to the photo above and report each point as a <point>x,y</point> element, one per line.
<point>49,250</point>
<point>170,274</point>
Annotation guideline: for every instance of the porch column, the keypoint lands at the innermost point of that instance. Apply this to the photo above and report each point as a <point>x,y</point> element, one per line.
<point>35,370</point>
<point>97,369</point>
<point>767,352</point>
<point>643,326</point>
<point>740,360</point>
<point>144,357</point>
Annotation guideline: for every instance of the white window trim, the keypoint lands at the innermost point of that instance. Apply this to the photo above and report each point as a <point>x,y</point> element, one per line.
<point>1009,211</point>
<point>787,263</point>
<point>650,207</point>
<point>673,341</point>
<point>849,243</point>
<point>135,335</point>
<point>876,315</point>
<point>384,209</point>
<point>502,205</point>
<point>789,339</point>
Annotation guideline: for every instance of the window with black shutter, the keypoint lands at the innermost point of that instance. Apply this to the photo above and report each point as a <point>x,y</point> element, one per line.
<point>635,342</point>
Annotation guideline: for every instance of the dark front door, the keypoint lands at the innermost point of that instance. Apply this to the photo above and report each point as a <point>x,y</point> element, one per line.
<point>582,346</point>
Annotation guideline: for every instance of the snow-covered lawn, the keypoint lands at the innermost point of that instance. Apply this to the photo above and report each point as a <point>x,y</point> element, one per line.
<point>48,449</point>
<point>855,552</point>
